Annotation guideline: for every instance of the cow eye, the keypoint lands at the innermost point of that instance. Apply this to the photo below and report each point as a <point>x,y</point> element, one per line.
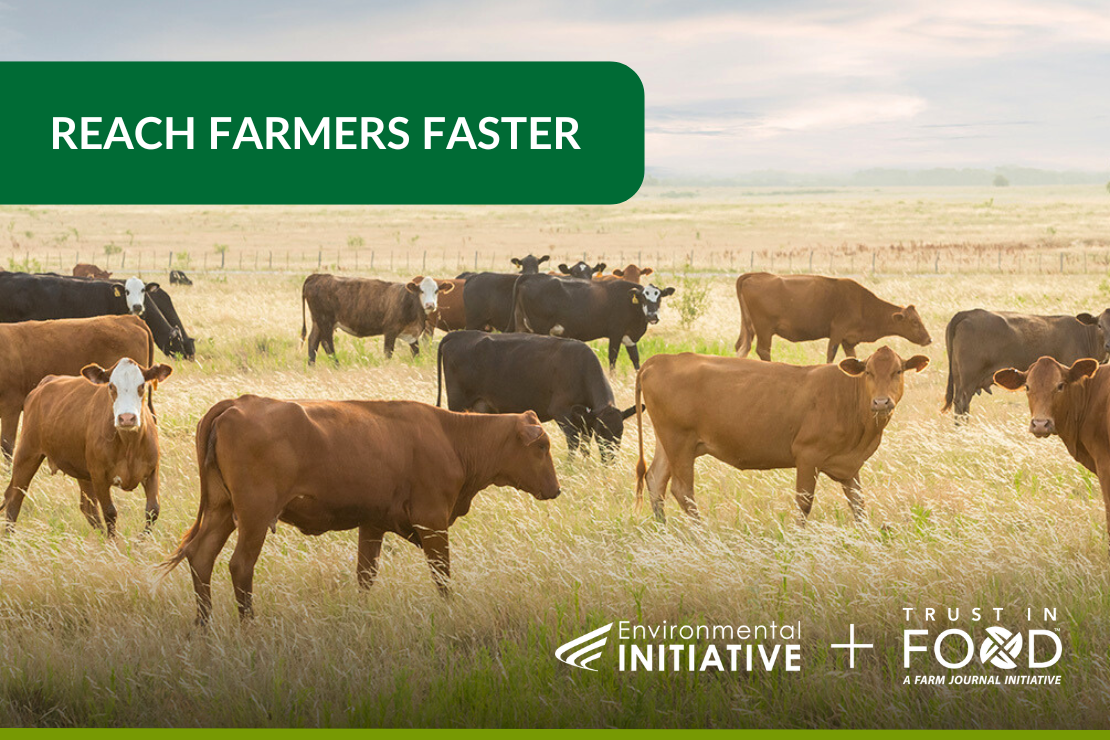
<point>1060,386</point>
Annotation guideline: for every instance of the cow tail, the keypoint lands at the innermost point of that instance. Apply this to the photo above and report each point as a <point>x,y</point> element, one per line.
<point>949,335</point>
<point>439,371</point>
<point>209,468</point>
<point>747,328</point>
<point>304,320</point>
<point>641,465</point>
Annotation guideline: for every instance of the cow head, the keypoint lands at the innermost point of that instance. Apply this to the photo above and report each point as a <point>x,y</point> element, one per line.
<point>582,269</point>
<point>134,293</point>
<point>1102,322</point>
<point>1047,384</point>
<point>126,381</point>
<point>650,299</point>
<point>526,463</point>
<point>908,324</point>
<point>632,273</point>
<point>429,290</point>
<point>530,265</point>
<point>607,425</point>
<point>883,375</point>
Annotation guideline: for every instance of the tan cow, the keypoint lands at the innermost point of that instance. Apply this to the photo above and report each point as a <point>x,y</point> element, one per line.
<point>1072,403</point>
<point>95,429</point>
<point>86,270</point>
<point>758,416</point>
<point>365,307</point>
<point>31,350</point>
<point>378,466</point>
<point>632,274</point>
<point>801,308</point>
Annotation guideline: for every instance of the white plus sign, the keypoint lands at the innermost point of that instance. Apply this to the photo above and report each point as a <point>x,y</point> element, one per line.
<point>852,645</point>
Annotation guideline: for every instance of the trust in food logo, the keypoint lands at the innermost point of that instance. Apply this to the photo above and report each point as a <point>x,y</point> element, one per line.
<point>1021,656</point>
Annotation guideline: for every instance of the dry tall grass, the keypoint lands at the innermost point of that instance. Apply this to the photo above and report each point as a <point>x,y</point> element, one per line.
<point>980,516</point>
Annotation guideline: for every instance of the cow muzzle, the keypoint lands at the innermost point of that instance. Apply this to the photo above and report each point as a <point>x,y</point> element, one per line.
<point>137,309</point>
<point>882,406</point>
<point>653,318</point>
<point>127,422</point>
<point>1042,427</point>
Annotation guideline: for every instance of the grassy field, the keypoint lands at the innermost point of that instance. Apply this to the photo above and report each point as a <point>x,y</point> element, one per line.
<point>983,515</point>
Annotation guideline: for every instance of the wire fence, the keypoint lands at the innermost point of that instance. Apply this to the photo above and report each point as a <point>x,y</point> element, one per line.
<point>894,260</point>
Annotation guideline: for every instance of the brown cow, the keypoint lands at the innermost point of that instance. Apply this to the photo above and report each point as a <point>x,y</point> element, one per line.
<point>379,466</point>
<point>801,308</point>
<point>632,274</point>
<point>1074,403</point>
<point>758,416</point>
<point>85,270</point>
<point>365,307</point>
<point>31,350</point>
<point>450,313</point>
<point>93,428</point>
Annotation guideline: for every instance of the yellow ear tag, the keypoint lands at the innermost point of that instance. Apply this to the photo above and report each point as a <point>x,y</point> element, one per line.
<point>635,299</point>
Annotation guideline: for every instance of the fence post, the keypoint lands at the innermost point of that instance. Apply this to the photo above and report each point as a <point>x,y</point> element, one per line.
<point>425,267</point>
<point>874,255</point>
<point>811,260</point>
<point>170,264</point>
<point>319,259</point>
<point>1061,263</point>
<point>223,258</point>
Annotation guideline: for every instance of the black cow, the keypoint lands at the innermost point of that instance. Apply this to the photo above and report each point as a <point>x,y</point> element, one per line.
<point>488,300</point>
<point>616,310</point>
<point>558,379</point>
<point>26,297</point>
<point>529,265</point>
<point>582,270</point>
<point>177,277</point>
<point>981,342</point>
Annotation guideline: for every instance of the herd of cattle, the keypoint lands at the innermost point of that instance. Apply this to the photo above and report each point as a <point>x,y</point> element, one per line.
<point>77,362</point>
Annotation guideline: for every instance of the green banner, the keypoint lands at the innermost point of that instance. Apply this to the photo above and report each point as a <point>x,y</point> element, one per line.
<point>321,132</point>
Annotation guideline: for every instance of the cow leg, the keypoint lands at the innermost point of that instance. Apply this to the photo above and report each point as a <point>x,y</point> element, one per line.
<point>390,343</point>
<point>682,483</point>
<point>1102,470</point>
<point>763,344</point>
<point>252,534</point>
<point>854,492</point>
<point>658,476</point>
<point>328,339</point>
<point>805,487</point>
<point>150,488</point>
<point>9,422</point>
<point>962,406</point>
<point>24,467</point>
<point>89,507</point>
<point>633,354</point>
<point>834,345</point>
<point>434,543</point>
<point>414,345</point>
<point>369,550</point>
<point>313,343</point>
<point>614,353</point>
<point>849,348</point>
<point>103,492</point>
<point>573,434</point>
<point>216,526</point>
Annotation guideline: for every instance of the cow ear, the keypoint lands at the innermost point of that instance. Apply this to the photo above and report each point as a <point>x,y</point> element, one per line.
<point>152,287</point>
<point>445,287</point>
<point>528,428</point>
<point>412,287</point>
<point>581,410</point>
<point>516,261</point>
<point>117,291</point>
<point>95,374</point>
<point>563,268</point>
<point>618,272</point>
<point>1011,379</point>
<point>543,259</point>
<point>1084,368</point>
<point>899,316</point>
<point>852,366</point>
<point>666,292</point>
<point>1086,318</point>
<point>646,271</point>
<point>916,363</point>
<point>599,267</point>
<point>157,373</point>
<point>631,411</point>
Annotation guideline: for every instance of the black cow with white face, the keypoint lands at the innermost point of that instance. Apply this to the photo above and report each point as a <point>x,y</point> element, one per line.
<point>616,310</point>
<point>558,379</point>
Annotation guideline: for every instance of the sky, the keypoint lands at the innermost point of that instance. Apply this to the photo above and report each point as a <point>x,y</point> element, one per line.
<point>731,87</point>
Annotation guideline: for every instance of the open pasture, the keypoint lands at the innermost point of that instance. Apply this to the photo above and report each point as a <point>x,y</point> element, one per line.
<point>983,515</point>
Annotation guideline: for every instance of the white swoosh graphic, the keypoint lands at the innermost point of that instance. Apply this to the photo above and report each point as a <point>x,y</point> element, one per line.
<point>583,645</point>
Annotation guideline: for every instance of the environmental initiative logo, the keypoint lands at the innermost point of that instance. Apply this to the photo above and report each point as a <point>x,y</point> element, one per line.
<point>585,649</point>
